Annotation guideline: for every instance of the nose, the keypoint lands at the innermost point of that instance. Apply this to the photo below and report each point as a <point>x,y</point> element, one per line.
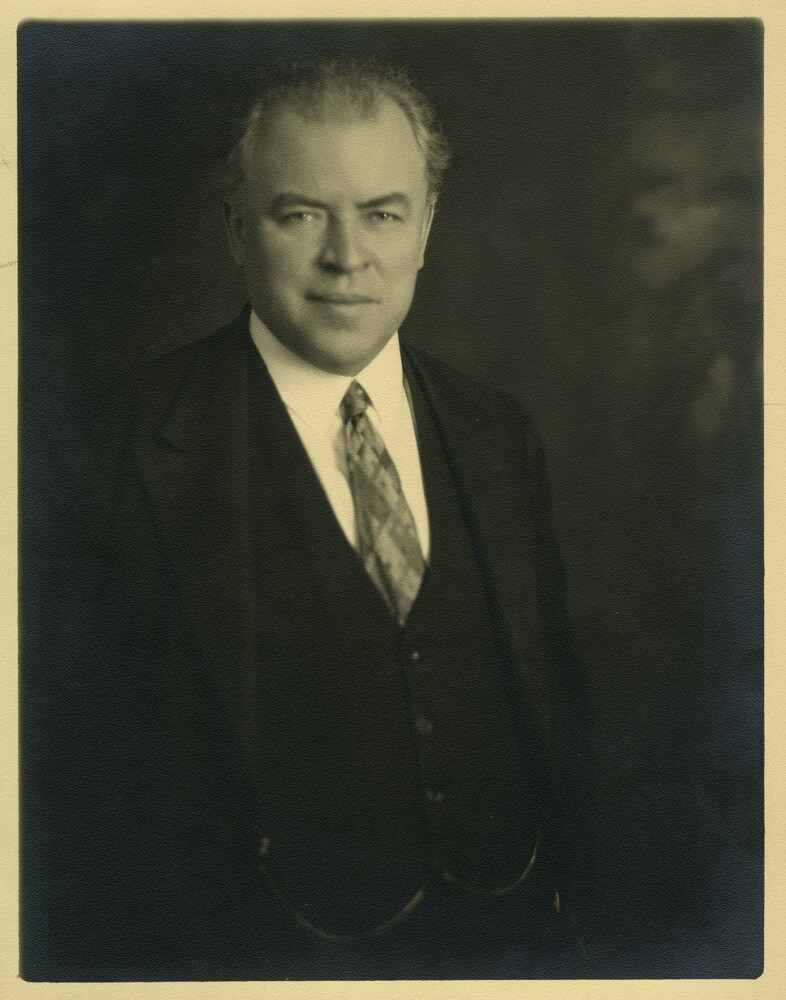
<point>343,250</point>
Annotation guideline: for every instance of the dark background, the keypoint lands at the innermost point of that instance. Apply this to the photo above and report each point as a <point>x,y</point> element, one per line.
<point>596,253</point>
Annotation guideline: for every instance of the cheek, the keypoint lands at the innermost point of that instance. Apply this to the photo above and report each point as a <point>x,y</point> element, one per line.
<point>281,252</point>
<point>281,267</point>
<point>404,261</point>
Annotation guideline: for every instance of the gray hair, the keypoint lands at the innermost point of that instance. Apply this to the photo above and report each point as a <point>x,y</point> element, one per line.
<point>316,89</point>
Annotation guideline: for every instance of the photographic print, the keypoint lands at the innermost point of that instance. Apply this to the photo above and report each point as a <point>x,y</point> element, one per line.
<point>391,500</point>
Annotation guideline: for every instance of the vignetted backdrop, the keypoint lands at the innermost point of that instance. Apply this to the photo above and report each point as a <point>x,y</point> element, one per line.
<point>596,253</point>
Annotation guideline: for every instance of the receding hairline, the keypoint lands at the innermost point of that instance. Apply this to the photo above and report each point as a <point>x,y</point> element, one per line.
<point>341,97</point>
<point>336,112</point>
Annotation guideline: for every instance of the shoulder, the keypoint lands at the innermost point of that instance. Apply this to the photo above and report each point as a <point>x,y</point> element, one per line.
<point>478,403</point>
<point>157,385</point>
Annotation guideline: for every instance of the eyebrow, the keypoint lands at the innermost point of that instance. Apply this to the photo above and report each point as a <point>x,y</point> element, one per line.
<point>289,198</point>
<point>394,198</point>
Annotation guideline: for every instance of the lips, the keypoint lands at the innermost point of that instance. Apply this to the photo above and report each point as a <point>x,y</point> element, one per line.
<point>334,299</point>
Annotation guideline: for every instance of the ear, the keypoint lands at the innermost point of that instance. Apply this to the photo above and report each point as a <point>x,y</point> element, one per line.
<point>427,220</point>
<point>236,231</point>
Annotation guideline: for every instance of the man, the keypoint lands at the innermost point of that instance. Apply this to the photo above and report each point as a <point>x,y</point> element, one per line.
<point>352,721</point>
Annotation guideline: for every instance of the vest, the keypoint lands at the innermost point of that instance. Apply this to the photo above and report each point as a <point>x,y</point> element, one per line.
<point>389,756</point>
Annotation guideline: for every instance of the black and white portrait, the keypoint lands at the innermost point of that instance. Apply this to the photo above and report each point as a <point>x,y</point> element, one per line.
<point>391,467</point>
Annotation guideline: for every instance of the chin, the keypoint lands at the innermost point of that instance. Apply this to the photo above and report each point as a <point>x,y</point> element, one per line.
<point>341,364</point>
<point>345,359</point>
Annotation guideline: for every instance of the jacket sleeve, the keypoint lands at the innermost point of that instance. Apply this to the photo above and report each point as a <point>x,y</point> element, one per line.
<point>572,717</point>
<point>135,684</point>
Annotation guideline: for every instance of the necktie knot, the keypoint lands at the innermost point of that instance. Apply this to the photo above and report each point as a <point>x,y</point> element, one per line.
<point>355,402</point>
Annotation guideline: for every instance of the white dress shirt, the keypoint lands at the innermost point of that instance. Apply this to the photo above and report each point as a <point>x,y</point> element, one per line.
<point>313,397</point>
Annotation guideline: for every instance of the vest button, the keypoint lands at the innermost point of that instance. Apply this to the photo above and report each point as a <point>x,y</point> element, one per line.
<point>423,726</point>
<point>434,797</point>
<point>414,656</point>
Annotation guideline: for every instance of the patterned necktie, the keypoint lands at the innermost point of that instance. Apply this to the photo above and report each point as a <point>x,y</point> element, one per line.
<point>387,537</point>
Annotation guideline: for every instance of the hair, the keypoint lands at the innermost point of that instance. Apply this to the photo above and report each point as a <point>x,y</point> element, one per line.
<point>318,89</point>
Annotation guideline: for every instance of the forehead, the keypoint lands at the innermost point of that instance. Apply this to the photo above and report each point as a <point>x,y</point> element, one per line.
<point>338,149</point>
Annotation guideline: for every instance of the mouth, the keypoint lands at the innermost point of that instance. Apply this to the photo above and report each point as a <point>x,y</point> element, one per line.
<point>334,299</point>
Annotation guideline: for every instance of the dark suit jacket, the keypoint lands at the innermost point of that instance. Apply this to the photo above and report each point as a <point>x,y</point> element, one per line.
<point>181,589</point>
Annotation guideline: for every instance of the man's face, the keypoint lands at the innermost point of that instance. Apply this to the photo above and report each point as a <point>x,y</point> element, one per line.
<point>330,232</point>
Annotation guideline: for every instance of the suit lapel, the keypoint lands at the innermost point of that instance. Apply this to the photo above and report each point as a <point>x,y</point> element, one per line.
<point>497,507</point>
<point>194,466</point>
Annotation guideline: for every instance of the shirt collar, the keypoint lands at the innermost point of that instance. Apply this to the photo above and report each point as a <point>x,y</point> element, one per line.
<point>315,395</point>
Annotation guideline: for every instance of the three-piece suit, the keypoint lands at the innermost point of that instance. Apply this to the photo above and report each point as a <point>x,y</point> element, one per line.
<point>300,776</point>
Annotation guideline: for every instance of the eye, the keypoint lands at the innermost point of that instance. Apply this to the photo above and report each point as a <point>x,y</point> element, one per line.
<point>382,216</point>
<point>299,216</point>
